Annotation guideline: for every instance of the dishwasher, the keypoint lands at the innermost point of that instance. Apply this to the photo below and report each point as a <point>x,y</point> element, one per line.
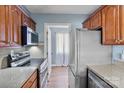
<point>96,82</point>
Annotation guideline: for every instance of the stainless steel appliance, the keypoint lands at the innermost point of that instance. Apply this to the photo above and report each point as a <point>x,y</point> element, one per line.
<point>29,37</point>
<point>85,49</point>
<point>44,74</point>
<point>19,59</point>
<point>23,59</point>
<point>95,82</point>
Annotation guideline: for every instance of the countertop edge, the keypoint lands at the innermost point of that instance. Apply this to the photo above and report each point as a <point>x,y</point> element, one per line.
<point>107,81</point>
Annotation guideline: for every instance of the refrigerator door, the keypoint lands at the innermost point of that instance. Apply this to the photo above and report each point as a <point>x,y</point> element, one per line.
<point>72,62</point>
<point>90,52</point>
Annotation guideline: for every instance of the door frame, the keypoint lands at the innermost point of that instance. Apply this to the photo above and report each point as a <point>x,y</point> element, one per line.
<point>46,31</point>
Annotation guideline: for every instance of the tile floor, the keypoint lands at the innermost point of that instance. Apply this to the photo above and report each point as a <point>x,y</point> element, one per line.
<point>58,78</point>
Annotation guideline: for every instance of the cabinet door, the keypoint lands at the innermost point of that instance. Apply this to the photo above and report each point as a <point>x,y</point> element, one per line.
<point>31,82</point>
<point>32,25</point>
<point>25,20</point>
<point>87,24</point>
<point>3,30</point>
<point>110,24</point>
<point>121,40</point>
<point>16,25</point>
<point>96,20</point>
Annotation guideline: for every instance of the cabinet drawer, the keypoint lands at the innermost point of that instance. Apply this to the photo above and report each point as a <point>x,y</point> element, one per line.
<point>31,80</point>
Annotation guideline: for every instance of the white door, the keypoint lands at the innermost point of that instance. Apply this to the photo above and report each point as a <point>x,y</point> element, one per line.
<point>62,48</point>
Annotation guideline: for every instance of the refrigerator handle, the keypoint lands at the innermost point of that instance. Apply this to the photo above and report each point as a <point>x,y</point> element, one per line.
<point>77,51</point>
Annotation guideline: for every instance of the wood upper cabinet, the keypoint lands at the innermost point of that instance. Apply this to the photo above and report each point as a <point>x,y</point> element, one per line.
<point>110,24</point>
<point>32,25</point>
<point>25,20</point>
<point>4,16</point>
<point>111,19</point>
<point>96,21</point>
<point>87,24</point>
<point>11,20</point>
<point>121,25</point>
<point>16,25</point>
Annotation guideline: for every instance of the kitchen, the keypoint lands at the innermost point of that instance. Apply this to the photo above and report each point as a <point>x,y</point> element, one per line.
<point>96,45</point>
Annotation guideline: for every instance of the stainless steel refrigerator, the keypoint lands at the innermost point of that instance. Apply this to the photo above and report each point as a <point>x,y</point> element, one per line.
<point>85,49</point>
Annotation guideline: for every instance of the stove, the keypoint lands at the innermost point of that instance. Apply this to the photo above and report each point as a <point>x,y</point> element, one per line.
<point>23,59</point>
<point>19,59</point>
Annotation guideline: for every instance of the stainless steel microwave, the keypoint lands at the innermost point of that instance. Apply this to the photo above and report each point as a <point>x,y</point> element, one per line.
<point>29,37</point>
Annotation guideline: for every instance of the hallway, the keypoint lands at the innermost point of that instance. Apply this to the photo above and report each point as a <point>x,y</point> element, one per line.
<point>59,78</point>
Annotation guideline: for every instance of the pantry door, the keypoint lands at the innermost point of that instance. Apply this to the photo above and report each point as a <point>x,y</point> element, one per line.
<point>62,48</point>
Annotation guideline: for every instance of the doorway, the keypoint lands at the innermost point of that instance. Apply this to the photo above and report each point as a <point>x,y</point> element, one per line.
<point>62,48</point>
<point>48,47</point>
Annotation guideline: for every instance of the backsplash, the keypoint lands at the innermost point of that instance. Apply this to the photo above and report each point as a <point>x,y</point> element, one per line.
<point>117,51</point>
<point>36,51</point>
<point>6,51</point>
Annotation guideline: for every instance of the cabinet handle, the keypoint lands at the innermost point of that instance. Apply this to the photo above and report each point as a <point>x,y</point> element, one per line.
<point>121,40</point>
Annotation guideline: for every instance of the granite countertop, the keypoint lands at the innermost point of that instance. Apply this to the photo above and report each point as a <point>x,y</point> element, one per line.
<point>15,77</point>
<point>113,74</point>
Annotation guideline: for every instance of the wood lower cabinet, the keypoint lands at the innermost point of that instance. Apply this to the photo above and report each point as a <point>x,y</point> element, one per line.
<point>31,82</point>
<point>34,85</point>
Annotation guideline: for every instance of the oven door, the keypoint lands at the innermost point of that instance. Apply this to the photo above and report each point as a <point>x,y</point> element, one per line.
<point>43,74</point>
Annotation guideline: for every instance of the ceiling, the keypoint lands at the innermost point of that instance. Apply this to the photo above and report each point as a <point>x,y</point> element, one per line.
<point>62,9</point>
